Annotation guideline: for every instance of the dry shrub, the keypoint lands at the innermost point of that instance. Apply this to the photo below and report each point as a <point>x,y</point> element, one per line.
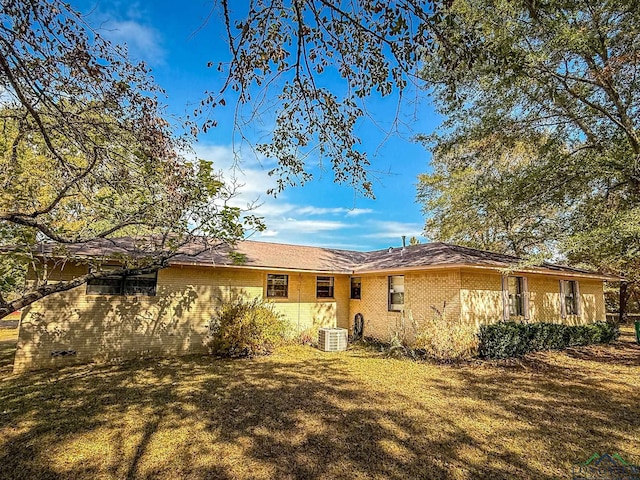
<point>308,336</point>
<point>445,339</point>
<point>244,328</point>
<point>401,337</point>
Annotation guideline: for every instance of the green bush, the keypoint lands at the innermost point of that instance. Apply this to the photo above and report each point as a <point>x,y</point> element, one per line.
<point>512,339</point>
<point>243,328</point>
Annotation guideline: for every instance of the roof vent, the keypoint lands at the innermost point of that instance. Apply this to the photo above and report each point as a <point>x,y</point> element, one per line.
<point>332,339</point>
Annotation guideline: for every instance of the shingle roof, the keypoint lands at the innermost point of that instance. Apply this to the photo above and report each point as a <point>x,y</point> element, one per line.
<point>255,254</point>
<point>431,254</point>
<point>445,254</point>
<point>280,256</point>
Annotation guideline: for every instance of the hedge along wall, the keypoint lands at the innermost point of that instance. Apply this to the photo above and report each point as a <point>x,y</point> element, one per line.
<point>513,339</point>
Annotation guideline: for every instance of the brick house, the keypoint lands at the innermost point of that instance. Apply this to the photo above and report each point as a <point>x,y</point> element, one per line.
<point>168,313</point>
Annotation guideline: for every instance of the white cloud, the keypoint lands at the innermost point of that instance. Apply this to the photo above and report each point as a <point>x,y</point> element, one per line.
<point>358,211</point>
<point>349,212</point>
<point>310,210</point>
<point>275,208</point>
<point>338,245</point>
<point>310,226</point>
<point>269,233</point>
<point>126,26</point>
<point>246,171</point>
<point>393,230</point>
<point>143,42</point>
<point>290,222</point>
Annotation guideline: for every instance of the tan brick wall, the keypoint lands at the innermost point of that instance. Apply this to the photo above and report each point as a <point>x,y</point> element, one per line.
<point>592,297</point>
<point>481,295</point>
<point>304,310</point>
<point>106,328</point>
<point>545,300</point>
<point>422,291</point>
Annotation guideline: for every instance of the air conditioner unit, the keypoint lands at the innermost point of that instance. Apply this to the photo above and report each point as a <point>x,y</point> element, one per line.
<point>332,339</point>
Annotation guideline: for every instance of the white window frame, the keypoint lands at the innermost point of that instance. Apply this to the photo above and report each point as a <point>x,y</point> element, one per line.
<point>577,307</point>
<point>506,297</point>
<point>396,287</point>
<point>271,277</point>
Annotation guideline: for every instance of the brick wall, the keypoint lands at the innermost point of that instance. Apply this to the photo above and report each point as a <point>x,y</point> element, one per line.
<point>545,300</point>
<point>107,327</point>
<point>472,295</point>
<point>104,328</point>
<point>304,310</point>
<point>422,291</point>
<point>481,295</point>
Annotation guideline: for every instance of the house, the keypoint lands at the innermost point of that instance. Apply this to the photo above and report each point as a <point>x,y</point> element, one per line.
<point>167,313</point>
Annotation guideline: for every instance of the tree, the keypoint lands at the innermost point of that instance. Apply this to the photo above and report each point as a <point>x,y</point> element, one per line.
<point>414,241</point>
<point>86,154</point>
<point>565,74</point>
<point>492,194</point>
<point>315,62</point>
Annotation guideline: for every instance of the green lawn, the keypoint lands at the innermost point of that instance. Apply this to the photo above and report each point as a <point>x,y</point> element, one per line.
<point>301,413</point>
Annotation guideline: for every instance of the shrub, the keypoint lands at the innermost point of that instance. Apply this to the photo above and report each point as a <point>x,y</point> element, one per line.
<point>512,339</point>
<point>308,336</point>
<point>243,328</point>
<point>401,337</point>
<point>444,339</point>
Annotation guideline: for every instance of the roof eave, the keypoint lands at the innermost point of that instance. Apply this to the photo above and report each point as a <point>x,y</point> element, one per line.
<point>496,268</point>
<point>258,267</point>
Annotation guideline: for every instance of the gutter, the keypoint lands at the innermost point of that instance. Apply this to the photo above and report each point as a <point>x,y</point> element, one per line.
<point>251,267</point>
<point>472,266</point>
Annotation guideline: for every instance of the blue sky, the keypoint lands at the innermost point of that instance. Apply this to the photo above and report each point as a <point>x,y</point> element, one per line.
<point>177,41</point>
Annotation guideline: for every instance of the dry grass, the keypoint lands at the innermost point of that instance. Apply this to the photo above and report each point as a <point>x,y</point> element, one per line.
<point>8,339</point>
<point>305,414</point>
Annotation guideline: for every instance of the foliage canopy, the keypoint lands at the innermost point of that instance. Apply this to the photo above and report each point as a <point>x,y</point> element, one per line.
<point>540,150</point>
<point>86,153</point>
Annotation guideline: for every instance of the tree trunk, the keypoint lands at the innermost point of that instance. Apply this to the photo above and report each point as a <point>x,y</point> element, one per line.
<point>6,310</point>
<point>624,297</point>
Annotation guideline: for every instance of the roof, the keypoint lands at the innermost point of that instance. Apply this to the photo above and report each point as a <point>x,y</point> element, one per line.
<point>279,256</point>
<point>445,254</point>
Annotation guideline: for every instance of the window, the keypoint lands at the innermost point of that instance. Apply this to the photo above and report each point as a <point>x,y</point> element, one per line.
<point>396,293</point>
<point>144,284</point>
<point>277,285</point>
<point>516,297</point>
<point>324,287</point>
<point>569,297</point>
<point>141,284</point>
<point>356,288</point>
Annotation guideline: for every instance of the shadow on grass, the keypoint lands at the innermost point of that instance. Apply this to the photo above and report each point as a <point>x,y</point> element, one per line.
<point>7,354</point>
<point>625,351</point>
<point>288,421</point>
<point>316,416</point>
<point>617,353</point>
